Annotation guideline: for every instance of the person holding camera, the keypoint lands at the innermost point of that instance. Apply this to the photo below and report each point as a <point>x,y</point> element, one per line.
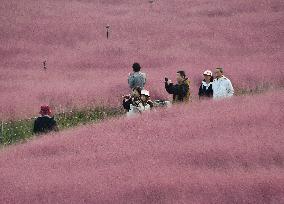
<point>132,103</point>
<point>136,78</point>
<point>205,89</point>
<point>180,90</point>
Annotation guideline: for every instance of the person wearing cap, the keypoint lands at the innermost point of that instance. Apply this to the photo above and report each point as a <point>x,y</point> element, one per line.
<point>45,122</point>
<point>222,86</point>
<point>205,89</point>
<point>136,78</point>
<point>145,98</point>
<point>180,90</point>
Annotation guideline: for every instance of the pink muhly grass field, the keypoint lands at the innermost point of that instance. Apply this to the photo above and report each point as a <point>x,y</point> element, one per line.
<point>229,151</point>
<point>84,67</point>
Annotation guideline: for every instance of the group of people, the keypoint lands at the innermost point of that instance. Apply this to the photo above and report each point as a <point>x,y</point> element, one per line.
<point>218,88</point>
<point>139,100</point>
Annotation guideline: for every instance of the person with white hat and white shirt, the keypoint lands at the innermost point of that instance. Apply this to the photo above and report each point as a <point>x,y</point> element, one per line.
<point>205,89</point>
<point>222,86</point>
<point>145,98</point>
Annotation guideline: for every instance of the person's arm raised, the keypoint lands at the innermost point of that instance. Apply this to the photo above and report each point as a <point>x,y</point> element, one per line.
<point>169,87</point>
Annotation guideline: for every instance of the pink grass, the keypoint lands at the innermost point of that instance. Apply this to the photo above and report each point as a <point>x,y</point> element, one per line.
<point>84,67</point>
<point>229,151</point>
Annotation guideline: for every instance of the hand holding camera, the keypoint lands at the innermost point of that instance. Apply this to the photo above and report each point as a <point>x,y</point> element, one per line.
<point>167,80</point>
<point>126,96</point>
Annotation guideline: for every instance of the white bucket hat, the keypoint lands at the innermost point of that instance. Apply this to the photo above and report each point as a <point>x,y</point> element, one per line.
<point>208,73</point>
<point>145,92</point>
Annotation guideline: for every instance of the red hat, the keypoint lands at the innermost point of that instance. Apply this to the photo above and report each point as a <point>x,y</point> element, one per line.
<point>45,110</point>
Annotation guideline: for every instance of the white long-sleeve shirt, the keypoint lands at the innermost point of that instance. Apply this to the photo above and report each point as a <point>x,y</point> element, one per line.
<point>222,88</point>
<point>135,110</point>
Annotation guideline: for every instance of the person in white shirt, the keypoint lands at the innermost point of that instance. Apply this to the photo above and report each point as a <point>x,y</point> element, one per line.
<point>146,101</point>
<point>222,86</point>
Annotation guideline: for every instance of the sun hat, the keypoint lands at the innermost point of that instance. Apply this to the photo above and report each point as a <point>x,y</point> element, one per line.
<point>145,92</point>
<point>208,73</point>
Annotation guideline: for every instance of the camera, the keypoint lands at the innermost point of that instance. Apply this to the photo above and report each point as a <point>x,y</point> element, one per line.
<point>126,96</point>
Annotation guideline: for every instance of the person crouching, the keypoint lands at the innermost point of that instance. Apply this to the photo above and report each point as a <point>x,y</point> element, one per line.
<point>146,101</point>
<point>132,103</point>
<point>45,122</point>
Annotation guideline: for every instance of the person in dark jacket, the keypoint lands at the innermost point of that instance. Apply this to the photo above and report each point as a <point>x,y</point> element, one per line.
<point>205,89</point>
<point>132,99</point>
<point>45,123</point>
<point>180,90</point>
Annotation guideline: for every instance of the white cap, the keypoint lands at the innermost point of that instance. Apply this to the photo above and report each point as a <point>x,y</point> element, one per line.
<point>145,92</point>
<point>208,73</point>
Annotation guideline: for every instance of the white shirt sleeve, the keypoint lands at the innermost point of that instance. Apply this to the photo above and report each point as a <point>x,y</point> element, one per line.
<point>230,89</point>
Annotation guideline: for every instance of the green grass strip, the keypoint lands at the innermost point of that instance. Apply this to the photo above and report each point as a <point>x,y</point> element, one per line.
<point>21,130</point>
